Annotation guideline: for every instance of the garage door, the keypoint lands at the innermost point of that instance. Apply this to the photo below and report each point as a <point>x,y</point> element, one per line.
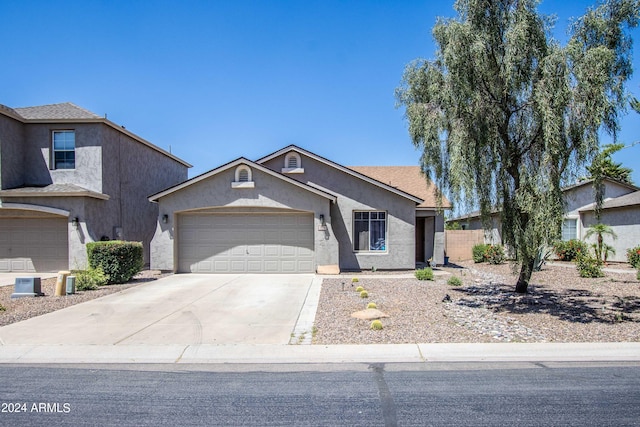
<point>33,244</point>
<point>246,243</point>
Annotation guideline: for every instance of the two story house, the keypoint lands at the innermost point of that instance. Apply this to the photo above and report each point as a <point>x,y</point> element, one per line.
<point>68,177</point>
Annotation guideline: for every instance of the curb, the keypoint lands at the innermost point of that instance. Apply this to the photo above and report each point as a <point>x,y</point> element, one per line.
<point>310,354</point>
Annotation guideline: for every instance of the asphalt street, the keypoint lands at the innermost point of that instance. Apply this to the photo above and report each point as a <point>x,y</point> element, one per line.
<point>404,394</point>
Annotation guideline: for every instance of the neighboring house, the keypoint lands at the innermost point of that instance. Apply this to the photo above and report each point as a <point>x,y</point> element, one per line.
<point>68,177</point>
<point>621,211</point>
<point>295,211</point>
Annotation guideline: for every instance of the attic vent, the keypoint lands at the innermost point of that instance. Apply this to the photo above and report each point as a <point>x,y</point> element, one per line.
<point>243,178</point>
<point>292,163</point>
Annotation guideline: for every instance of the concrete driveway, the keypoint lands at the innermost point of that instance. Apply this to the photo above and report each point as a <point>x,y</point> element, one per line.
<point>180,309</point>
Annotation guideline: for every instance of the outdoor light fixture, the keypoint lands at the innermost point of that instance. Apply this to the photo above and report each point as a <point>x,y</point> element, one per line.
<point>165,218</point>
<point>322,219</point>
<point>74,222</point>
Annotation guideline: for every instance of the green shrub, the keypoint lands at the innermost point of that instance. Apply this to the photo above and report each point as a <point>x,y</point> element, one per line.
<point>570,249</point>
<point>119,260</point>
<point>359,289</point>
<point>589,266</point>
<point>364,294</point>
<point>454,281</point>
<point>494,254</point>
<point>633,257</point>
<point>355,280</point>
<point>372,305</point>
<point>478,252</point>
<point>638,274</point>
<point>424,274</point>
<point>2,308</point>
<point>376,325</point>
<point>91,279</point>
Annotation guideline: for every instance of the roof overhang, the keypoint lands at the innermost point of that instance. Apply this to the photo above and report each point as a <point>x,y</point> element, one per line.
<point>242,161</point>
<point>53,190</point>
<point>341,168</point>
<point>10,113</point>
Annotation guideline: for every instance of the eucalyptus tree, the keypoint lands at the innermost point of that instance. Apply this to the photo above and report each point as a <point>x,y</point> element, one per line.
<point>504,113</point>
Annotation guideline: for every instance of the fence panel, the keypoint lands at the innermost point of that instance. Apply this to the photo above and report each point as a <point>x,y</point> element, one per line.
<point>458,243</point>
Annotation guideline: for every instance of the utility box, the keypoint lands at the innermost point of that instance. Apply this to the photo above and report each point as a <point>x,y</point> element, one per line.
<point>61,283</point>
<point>27,287</point>
<point>71,285</point>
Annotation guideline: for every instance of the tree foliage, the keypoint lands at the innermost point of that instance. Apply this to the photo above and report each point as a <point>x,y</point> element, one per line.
<point>504,113</point>
<point>603,167</point>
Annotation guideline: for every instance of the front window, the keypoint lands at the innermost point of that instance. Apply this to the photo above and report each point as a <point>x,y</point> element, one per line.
<point>569,229</point>
<point>370,231</point>
<point>64,149</point>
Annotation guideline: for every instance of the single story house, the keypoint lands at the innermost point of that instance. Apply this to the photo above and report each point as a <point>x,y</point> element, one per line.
<point>295,211</point>
<point>621,211</point>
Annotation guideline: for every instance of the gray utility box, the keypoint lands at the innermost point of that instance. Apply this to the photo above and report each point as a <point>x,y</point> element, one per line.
<point>71,285</point>
<point>27,287</point>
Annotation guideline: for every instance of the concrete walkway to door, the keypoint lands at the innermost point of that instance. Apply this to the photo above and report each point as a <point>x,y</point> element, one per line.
<point>181,309</point>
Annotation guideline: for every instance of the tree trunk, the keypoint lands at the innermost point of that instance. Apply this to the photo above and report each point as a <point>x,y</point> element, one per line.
<point>525,275</point>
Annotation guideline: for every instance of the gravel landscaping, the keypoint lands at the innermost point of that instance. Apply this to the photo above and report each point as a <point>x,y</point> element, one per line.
<point>560,307</point>
<point>19,309</point>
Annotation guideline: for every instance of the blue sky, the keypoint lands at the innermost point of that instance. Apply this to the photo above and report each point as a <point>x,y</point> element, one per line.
<point>216,80</point>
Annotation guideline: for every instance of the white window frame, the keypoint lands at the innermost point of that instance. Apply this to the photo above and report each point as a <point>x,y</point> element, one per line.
<point>571,218</point>
<point>287,158</point>
<point>243,184</point>
<point>386,231</point>
<point>54,163</point>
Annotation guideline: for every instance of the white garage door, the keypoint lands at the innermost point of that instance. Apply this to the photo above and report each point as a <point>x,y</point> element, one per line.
<point>33,244</point>
<point>246,243</point>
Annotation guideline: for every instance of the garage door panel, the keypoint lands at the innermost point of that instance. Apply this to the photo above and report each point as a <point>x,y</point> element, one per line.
<point>33,244</point>
<point>246,243</point>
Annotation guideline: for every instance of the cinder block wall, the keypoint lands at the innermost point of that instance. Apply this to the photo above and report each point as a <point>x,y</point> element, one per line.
<point>458,243</point>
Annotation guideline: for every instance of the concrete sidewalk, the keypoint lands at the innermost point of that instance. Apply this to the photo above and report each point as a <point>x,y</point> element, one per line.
<point>309,354</point>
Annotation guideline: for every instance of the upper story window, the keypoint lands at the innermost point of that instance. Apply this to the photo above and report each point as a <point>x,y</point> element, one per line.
<point>243,178</point>
<point>64,149</point>
<point>292,163</point>
<point>370,231</point>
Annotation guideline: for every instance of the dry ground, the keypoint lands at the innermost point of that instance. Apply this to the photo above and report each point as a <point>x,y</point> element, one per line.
<point>560,307</point>
<point>19,309</point>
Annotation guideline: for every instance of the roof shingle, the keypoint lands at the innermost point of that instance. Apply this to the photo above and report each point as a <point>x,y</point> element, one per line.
<point>409,179</point>
<point>62,111</point>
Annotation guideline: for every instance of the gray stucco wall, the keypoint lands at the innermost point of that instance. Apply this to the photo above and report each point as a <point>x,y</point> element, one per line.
<point>37,155</point>
<point>108,162</point>
<point>132,172</point>
<point>625,222</point>
<point>356,194</point>
<point>579,197</point>
<point>11,153</point>
<point>269,192</point>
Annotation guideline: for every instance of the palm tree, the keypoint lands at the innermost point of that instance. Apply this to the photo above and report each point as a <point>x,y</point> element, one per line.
<point>599,230</point>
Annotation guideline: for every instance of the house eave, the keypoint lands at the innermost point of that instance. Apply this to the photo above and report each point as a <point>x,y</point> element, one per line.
<point>155,197</point>
<point>340,168</point>
<point>10,113</point>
